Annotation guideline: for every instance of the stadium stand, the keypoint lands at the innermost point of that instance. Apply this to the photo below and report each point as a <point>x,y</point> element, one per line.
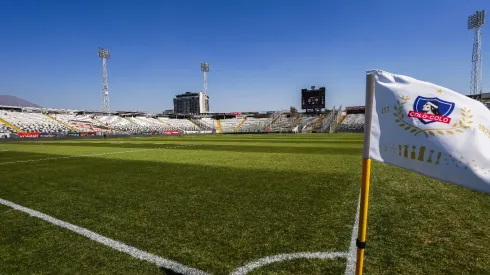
<point>144,124</point>
<point>180,124</point>
<point>296,118</point>
<point>71,127</point>
<point>32,122</point>
<point>77,123</point>
<point>218,127</point>
<point>329,123</point>
<point>353,121</point>
<point>228,125</point>
<point>131,125</point>
<point>240,125</point>
<point>207,123</point>
<point>254,125</point>
<point>196,122</point>
<point>17,120</point>
<point>281,123</point>
<point>6,129</point>
<point>113,121</point>
<point>306,124</point>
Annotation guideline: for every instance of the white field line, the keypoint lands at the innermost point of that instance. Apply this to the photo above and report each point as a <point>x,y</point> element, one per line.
<point>286,257</point>
<point>119,246</point>
<point>350,268</point>
<point>350,255</point>
<point>96,154</point>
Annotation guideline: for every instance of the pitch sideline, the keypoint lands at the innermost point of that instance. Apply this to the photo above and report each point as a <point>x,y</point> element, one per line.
<point>182,269</point>
<point>119,246</point>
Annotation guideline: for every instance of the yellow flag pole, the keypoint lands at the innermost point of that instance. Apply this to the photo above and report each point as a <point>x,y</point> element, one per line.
<point>366,174</point>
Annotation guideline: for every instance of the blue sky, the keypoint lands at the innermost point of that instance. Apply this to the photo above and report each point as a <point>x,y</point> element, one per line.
<point>261,52</point>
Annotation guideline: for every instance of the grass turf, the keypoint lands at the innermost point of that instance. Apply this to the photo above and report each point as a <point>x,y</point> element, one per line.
<point>218,202</point>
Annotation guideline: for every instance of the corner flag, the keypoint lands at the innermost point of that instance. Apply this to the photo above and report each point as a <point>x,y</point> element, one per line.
<point>425,128</point>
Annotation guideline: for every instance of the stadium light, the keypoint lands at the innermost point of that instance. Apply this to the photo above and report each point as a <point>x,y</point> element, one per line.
<point>476,20</point>
<point>204,67</point>
<point>104,53</point>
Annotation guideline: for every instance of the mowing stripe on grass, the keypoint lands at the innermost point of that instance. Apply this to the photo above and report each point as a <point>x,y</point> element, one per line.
<point>96,154</point>
<point>119,246</point>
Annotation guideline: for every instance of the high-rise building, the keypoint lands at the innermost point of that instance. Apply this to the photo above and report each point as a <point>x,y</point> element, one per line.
<point>191,103</point>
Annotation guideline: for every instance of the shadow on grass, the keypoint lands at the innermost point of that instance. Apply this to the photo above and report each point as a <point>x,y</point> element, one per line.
<point>211,218</point>
<point>212,147</point>
<point>167,271</point>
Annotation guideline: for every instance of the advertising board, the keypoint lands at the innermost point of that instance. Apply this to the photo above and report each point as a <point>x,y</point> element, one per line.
<point>28,135</point>
<point>171,132</point>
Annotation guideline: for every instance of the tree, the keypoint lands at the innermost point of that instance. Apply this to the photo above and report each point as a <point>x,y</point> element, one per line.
<point>293,110</point>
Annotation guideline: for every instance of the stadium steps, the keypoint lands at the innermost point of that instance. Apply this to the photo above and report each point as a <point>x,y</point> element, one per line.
<point>317,121</point>
<point>275,119</point>
<point>218,130</point>
<point>98,121</point>
<point>341,119</point>
<point>170,125</point>
<point>295,122</point>
<point>239,125</point>
<point>195,123</point>
<point>62,123</point>
<point>102,124</point>
<point>165,123</point>
<point>11,125</point>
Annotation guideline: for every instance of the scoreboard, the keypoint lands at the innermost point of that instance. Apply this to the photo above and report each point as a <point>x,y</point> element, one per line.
<point>313,99</point>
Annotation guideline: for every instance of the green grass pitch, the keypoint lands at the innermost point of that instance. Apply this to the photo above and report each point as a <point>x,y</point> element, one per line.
<point>216,203</point>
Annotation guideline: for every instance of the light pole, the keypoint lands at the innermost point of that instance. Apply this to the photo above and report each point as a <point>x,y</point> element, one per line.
<point>104,54</point>
<point>476,21</point>
<point>205,70</point>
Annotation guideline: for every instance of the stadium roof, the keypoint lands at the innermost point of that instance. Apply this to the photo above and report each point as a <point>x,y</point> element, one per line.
<point>187,94</point>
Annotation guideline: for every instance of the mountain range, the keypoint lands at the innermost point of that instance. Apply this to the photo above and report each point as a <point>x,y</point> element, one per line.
<point>10,100</point>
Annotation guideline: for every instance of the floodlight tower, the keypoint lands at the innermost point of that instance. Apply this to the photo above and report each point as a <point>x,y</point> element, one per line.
<point>104,54</point>
<point>476,21</point>
<point>205,70</point>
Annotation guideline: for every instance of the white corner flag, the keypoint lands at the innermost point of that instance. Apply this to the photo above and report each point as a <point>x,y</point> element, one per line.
<point>425,128</point>
<point>428,129</point>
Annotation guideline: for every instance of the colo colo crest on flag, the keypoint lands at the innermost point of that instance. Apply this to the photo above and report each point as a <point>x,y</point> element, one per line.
<point>432,109</point>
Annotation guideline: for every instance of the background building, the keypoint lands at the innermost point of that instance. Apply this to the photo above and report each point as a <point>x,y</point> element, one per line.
<point>191,103</point>
<point>484,98</point>
<point>168,112</point>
